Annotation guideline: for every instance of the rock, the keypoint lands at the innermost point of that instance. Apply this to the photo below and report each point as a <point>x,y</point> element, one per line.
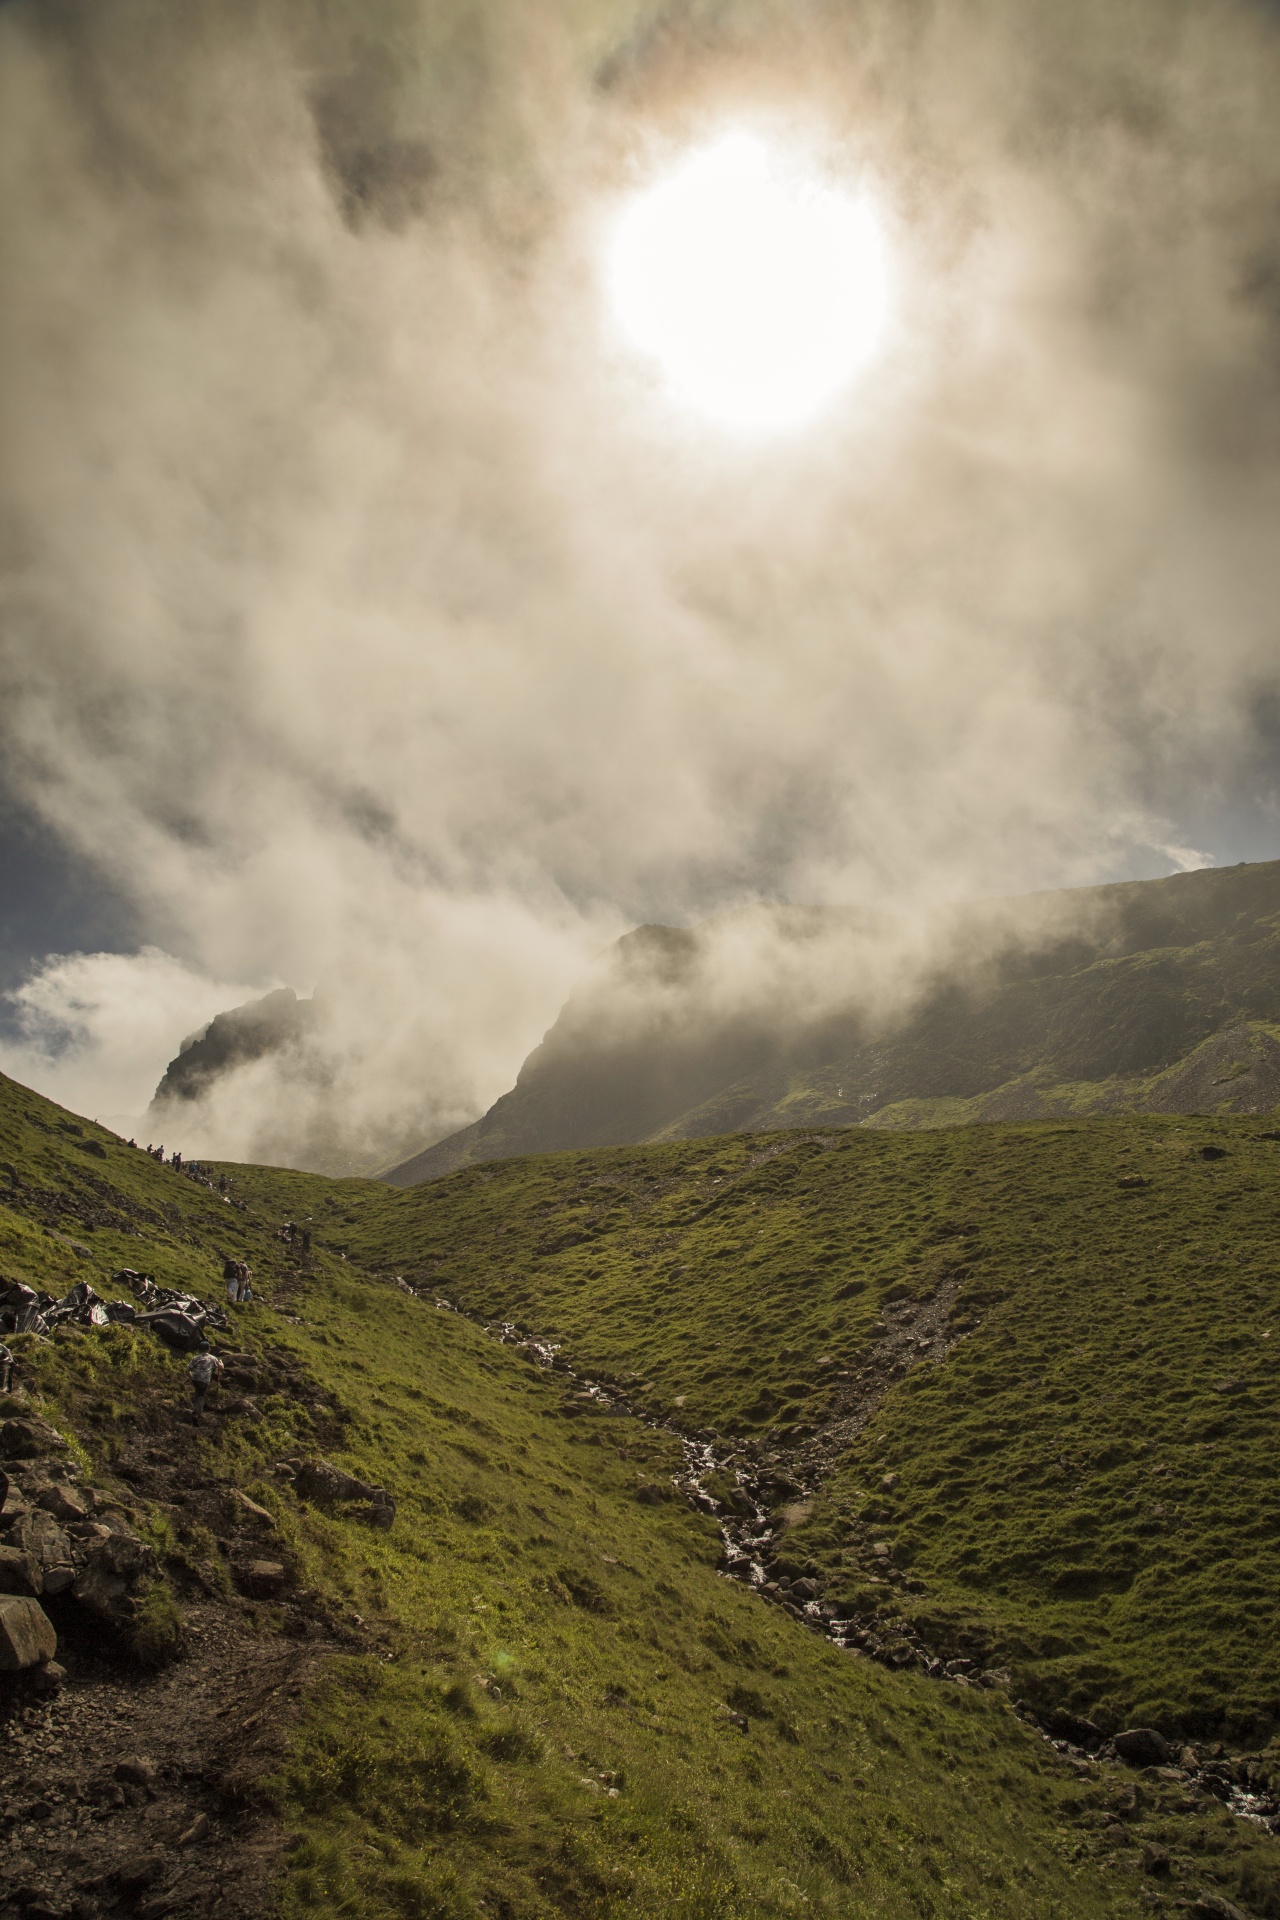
<point>1074,1728</point>
<point>135,1772</point>
<point>653,1496</point>
<point>327,1485</point>
<point>1228,1386</point>
<point>1118,1835</point>
<point>804,1589</point>
<point>1143,1747</point>
<point>26,1438</point>
<point>19,1573</point>
<point>49,1678</point>
<point>889,1482</point>
<point>1214,1906</point>
<point>64,1503</point>
<point>251,1508</point>
<point>38,1535</point>
<point>112,1570</point>
<point>27,1637</point>
<point>1155,1859</point>
<point>260,1579</point>
<point>136,1872</point>
<point>195,1832</point>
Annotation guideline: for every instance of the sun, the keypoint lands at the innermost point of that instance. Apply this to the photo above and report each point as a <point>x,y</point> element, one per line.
<point>759,290</point>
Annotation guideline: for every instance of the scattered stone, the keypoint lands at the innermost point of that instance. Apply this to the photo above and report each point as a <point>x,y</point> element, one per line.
<point>1118,1835</point>
<point>135,1772</point>
<point>260,1579</point>
<point>1228,1386</point>
<point>64,1503</point>
<point>889,1482</point>
<point>1074,1728</point>
<point>27,1637</point>
<point>49,1678</point>
<point>251,1508</point>
<point>108,1581</point>
<point>1155,1859</point>
<point>195,1832</point>
<point>1143,1747</point>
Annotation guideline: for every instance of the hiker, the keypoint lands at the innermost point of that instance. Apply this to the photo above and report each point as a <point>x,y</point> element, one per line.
<point>200,1372</point>
<point>6,1368</point>
<point>231,1274</point>
<point>246,1282</point>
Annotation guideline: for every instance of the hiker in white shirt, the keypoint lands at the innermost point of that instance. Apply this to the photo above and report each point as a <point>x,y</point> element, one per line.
<point>201,1370</point>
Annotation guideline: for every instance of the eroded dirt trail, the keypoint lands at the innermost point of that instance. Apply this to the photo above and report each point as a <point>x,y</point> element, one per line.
<point>134,1794</point>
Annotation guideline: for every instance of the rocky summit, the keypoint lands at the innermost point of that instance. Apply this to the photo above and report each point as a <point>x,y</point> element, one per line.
<point>819,1521</point>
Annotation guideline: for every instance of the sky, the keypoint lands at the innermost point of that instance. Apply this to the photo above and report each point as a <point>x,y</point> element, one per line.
<point>377,619</point>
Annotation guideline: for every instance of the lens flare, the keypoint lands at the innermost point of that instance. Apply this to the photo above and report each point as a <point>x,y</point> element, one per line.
<point>759,290</point>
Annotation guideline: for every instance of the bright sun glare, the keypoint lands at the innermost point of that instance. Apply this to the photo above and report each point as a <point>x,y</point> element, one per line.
<point>759,290</point>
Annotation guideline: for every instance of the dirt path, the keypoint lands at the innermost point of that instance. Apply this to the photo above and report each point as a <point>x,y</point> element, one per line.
<point>136,1793</point>
<point>132,1794</point>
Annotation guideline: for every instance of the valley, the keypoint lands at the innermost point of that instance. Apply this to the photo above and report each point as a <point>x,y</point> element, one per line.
<point>982,1414</point>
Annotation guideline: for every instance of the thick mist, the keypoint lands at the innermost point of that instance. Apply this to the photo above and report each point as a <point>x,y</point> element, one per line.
<point>375,624</point>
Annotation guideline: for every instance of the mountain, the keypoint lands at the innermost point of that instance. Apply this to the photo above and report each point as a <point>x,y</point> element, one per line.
<point>691,1531</point>
<point>260,1027</point>
<point>1158,996</point>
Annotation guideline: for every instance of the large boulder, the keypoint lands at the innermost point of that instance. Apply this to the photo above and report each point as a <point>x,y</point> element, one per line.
<point>27,1638</point>
<point>112,1564</point>
<point>38,1535</point>
<point>1143,1747</point>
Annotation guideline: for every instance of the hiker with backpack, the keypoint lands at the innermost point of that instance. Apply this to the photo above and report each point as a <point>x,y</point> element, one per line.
<point>200,1371</point>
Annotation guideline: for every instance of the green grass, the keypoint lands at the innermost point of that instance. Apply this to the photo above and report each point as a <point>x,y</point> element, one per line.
<point>540,1722</point>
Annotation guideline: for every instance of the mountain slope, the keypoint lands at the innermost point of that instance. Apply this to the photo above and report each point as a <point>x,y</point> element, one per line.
<point>536,1695</point>
<point>1153,996</point>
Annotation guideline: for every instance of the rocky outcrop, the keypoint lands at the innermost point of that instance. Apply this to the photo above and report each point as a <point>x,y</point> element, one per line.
<point>60,1538</point>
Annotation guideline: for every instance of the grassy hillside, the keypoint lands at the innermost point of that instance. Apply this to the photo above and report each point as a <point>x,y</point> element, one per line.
<point>1086,1488</point>
<point>1154,996</point>
<point>549,1700</point>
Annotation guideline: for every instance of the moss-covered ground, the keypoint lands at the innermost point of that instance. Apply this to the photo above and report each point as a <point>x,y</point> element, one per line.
<point>546,1710</point>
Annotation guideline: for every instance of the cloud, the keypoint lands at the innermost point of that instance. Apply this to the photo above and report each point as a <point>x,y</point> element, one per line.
<point>369,619</point>
<point>91,1026</point>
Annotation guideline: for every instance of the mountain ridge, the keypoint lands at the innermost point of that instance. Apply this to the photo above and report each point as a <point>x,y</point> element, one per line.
<point>1140,996</point>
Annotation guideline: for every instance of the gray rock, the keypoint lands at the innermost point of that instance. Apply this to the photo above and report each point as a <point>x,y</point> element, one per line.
<point>27,1638</point>
<point>260,1579</point>
<point>110,1576</point>
<point>64,1503</point>
<point>327,1485</point>
<point>38,1535</point>
<point>1143,1747</point>
<point>19,1573</point>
